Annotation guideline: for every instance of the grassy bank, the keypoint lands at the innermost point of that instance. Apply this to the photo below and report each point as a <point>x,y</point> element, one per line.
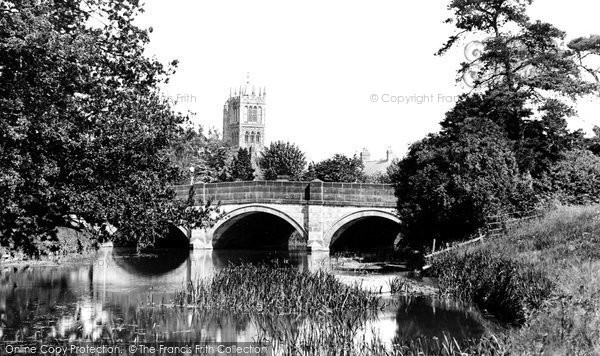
<point>543,276</point>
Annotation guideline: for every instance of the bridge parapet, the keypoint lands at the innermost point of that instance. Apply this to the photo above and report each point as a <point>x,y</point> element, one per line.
<point>284,192</point>
<point>354,194</point>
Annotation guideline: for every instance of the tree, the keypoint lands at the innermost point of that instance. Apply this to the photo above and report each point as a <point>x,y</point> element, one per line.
<point>546,140</point>
<point>527,79</point>
<point>338,168</point>
<point>584,49</point>
<point>84,128</point>
<point>214,163</point>
<point>593,143</point>
<point>446,186</point>
<point>575,179</point>
<point>185,149</point>
<point>520,55</point>
<point>242,166</point>
<point>210,158</point>
<point>282,159</point>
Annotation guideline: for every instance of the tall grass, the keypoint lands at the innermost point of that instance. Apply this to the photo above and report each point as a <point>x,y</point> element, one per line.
<point>562,247</point>
<point>509,290</point>
<point>406,286</point>
<point>262,289</point>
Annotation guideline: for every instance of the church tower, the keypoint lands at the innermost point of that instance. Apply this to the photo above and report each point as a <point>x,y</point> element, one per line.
<point>244,116</point>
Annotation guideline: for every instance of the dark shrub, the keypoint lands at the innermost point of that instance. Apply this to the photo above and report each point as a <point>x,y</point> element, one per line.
<point>449,183</point>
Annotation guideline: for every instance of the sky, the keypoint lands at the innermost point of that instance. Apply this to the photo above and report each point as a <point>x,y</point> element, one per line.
<point>340,75</point>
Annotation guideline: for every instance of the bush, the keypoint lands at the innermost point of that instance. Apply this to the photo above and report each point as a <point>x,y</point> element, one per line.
<point>338,168</point>
<point>576,178</point>
<point>449,183</point>
<point>509,290</point>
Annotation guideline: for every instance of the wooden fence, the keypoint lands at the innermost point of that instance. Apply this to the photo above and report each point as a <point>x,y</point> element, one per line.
<point>496,225</point>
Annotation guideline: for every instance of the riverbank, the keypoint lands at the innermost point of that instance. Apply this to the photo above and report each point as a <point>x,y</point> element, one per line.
<point>543,274</point>
<point>74,244</point>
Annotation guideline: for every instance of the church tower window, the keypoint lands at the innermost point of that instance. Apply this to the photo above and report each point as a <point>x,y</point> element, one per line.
<point>252,114</point>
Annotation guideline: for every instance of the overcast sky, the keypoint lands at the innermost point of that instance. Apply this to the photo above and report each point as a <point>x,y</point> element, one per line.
<point>328,66</point>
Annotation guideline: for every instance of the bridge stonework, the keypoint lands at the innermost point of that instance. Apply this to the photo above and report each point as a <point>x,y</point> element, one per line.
<point>319,211</point>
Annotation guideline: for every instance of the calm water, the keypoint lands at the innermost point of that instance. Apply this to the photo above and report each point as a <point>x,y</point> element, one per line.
<point>108,297</point>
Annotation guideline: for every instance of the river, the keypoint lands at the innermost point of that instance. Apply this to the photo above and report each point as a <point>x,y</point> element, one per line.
<point>110,296</point>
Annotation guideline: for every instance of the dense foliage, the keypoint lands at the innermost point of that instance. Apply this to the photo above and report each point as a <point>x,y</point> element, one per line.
<point>379,177</point>
<point>241,167</point>
<point>282,159</point>
<point>205,158</point>
<point>84,128</point>
<point>575,179</point>
<point>447,185</point>
<point>338,168</point>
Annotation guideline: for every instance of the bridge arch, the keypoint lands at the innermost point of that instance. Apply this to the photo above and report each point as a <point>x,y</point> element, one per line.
<point>234,216</point>
<point>342,225</point>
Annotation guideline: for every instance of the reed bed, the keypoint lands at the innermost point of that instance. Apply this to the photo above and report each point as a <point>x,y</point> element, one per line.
<point>267,290</point>
<point>327,341</point>
<point>305,313</point>
<point>406,286</point>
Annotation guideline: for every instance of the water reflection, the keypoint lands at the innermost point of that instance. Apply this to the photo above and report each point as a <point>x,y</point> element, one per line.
<point>108,297</point>
<point>154,263</point>
<point>426,317</point>
<point>223,258</point>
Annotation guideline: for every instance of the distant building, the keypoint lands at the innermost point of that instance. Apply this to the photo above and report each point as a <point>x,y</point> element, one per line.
<point>244,118</point>
<point>376,166</point>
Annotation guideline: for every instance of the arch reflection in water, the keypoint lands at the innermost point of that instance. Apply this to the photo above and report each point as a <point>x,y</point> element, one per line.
<point>126,267</point>
<point>150,262</point>
<point>163,269</point>
<point>224,258</point>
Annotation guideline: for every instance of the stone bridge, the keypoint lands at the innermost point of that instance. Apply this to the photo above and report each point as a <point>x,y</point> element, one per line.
<point>318,213</point>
